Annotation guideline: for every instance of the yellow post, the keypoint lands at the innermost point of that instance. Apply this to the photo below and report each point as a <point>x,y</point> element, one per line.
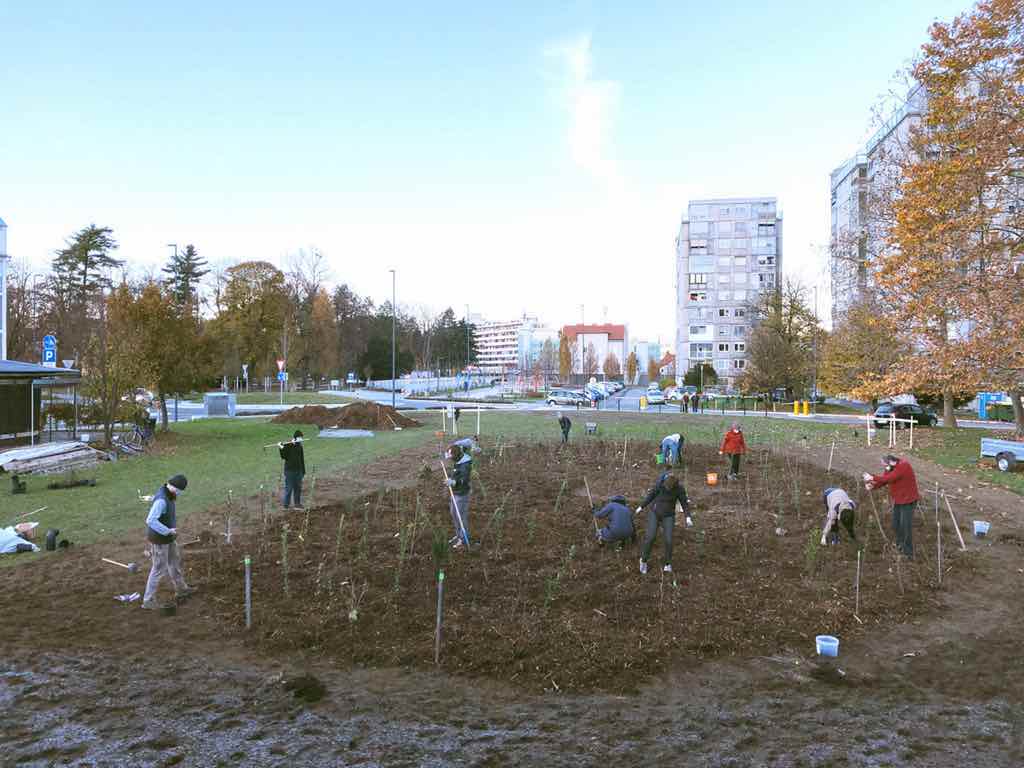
<point>796,407</point>
<point>643,403</point>
<point>807,407</point>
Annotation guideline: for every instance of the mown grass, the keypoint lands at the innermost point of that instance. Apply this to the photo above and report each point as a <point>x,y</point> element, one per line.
<point>216,455</point>
<point>960,449</point>
<point>290,398</point>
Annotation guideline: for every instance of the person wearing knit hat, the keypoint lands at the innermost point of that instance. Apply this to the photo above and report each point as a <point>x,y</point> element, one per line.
<point>162,531</point>
<point>294,469</point>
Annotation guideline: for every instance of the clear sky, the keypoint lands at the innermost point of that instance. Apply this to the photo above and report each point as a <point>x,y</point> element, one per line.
<point>515,157</point>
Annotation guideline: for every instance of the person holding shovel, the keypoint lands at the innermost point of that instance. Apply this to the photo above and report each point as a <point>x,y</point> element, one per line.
<point>566,425</point>
<point>620,522</point>
<point>903,494</point>
<point>294,469</point>
<point>162,532</point>
<point>734,446</point>
<point>671,448</point>
<point>839,509</point>
<point>662,500</point>
<point>458,494</point>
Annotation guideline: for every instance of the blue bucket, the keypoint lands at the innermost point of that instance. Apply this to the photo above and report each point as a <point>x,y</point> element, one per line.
<point>827,645</point>
<point>980,528</point>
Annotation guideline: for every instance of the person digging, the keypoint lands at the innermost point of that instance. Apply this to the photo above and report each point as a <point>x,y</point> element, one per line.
<point>619,527</point>
<point>671,448</point>
<point>839,510</point>
<point>294,469</point>
<point>733,446</point>
<point>566,425</point>
<point>903,494</point>
<point>161,530</point>
<point>458,495</point>
<point>662,500</point>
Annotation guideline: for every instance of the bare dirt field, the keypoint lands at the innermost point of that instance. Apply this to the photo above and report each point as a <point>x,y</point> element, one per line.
<point>555,651</point>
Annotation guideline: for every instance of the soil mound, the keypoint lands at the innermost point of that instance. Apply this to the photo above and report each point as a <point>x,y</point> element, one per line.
<point>354,416</point>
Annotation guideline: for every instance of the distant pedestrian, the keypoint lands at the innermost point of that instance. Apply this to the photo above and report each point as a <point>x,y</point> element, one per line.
<point>733,446</point>
<point>458,412</point>
<point>566,425</point>
<point>458,499</point>
<point>620,521</point>
<point>694,400</point>
<point>686,401</point>
<point>671,448</point>
<point>903,493</point>
<point>839,510</point>
<point>162,533</point>
<point>662,500</point>
<point>294,469</point>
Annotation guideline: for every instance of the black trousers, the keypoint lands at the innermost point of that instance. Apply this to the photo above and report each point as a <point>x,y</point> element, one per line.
<point>903,526</point>
<point>734,463</point>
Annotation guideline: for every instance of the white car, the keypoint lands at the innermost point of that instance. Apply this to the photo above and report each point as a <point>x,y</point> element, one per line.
<point>654,397</point>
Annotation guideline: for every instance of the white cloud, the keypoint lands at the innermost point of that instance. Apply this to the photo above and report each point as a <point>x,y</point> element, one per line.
<point>591,106</point>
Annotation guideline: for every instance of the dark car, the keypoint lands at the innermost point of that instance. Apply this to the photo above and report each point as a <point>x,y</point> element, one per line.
<point>904,411</point>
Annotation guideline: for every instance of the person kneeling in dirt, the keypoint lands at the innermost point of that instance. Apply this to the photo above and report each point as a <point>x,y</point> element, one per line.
<point>566,425</point>
<point>17,538</point>
<point>839,509</point>
<point>458,502</point>
<point>294,469</point>
<point>671,448</point>
<point>662,500</point>
<point>620,522</point>
<point>161,530</point>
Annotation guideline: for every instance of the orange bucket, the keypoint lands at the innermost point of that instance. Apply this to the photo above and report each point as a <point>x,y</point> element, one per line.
<point>712,478</point>
<point>439,434</point>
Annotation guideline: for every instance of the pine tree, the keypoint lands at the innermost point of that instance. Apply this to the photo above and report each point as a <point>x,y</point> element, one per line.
<point>80,264</point>
<point>186,269</point>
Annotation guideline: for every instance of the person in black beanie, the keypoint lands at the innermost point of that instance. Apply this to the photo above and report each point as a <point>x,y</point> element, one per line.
<point>294,469</point>
<point>162,532</point>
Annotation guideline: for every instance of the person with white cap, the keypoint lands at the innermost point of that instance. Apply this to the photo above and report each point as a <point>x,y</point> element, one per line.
<point>17,538</point>
<point>162,531</point>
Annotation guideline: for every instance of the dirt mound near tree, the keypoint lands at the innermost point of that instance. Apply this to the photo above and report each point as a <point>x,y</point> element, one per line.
<point>354,416</point>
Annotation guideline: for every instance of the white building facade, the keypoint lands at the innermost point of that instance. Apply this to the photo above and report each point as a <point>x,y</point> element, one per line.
<point>606,339</point>
<point>728,253</point>
<point>508,345</point>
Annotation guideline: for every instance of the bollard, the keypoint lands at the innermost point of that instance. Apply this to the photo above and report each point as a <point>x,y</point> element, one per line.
<point>807,407</point>
<point>248,592</point>
<point>796,407</point>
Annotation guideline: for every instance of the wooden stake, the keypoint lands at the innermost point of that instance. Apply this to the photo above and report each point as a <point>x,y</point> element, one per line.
<point>831,451</point>
<point>591,503</point>
<point>856,590</point>
<point>956,527</point>
<point>478,421</point>
<point>437,624</point>
<point>938,549</point>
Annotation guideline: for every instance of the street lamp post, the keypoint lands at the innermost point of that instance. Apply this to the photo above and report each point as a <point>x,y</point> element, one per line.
<point>394,312</point>
<point>467,341</point>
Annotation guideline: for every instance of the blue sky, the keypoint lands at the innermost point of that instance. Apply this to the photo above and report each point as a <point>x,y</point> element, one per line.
<point>529,157</point>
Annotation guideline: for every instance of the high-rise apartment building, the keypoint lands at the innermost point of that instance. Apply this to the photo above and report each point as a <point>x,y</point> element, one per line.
<point>857,231</point>
<point>507,345</point>
<point>728,252</point>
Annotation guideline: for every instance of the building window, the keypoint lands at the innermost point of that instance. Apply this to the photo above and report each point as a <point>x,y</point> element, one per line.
<point>766,261</point>
<point>741,212</point>
<point>724,279</point>
<point>724,244</point>
<point>699,247</point>
<point>739,363</point>
<point>741,277</point>
<point>698,212</point>
<point>739,296</point>
<point>723,312</point>
<point>739,330</point>
<point>698,330</point>
<point>723,228</point>
<point>740,312</point>
<point>698,228</point>
<point>766,279</point>
<point>741,244</point>
<point>723,330</point>
<point>698,278</point>
<point>765,230</point>
<point>723,347</point>
<point>723,212</point>
<point>724,296</point>
<point>740,227</point>
<point>701,351</point>
<point>740,262</point>
<point>740,347</point>
<point>698,296</point>
<point>701,263</point>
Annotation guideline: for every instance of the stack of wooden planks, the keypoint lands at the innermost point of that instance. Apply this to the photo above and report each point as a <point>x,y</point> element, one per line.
<point>50,458</point>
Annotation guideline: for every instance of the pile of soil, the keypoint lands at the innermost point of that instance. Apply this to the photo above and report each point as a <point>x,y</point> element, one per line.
<point>535,602</point>
<point>354,416</point>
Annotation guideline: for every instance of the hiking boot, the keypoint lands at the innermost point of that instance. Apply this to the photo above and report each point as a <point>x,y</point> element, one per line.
<point>643,566</point>
<point>458,544</point>
<point>151,605</point>
<point>452,541</point>
<point>667,568</point>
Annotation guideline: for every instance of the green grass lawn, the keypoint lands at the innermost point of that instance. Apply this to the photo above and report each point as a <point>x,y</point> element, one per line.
<point>959,449</point>
<point>216,455</point>
<point>290,398</point>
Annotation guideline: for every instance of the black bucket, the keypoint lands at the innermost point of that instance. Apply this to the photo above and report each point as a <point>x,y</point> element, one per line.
<point>51,539</point>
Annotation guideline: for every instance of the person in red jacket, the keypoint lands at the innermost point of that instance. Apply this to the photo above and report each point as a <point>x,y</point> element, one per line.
<point>899,476</point>
<point>734,446</point>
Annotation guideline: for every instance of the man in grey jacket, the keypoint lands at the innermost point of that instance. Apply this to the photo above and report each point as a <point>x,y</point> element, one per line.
<point>161,530</point>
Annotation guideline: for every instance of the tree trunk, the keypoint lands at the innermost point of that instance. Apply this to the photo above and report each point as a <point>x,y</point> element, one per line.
<point>948,417</point>
<point>163,410</point>
<point>1017,398</point>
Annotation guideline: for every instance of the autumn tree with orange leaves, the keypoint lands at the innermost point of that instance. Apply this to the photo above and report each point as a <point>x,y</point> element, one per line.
<point>951,274</point>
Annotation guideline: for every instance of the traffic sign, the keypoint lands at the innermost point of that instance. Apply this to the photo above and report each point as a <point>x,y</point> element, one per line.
<point>245,370</point>
<point>50,342</point>
<point>282,376</point>
<point>280,365</point>
<point>50,357</point>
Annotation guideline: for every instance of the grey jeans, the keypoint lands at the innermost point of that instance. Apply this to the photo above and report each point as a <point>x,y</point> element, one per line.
<point>667,524</point>
<point>166,561</point>
<point>463,502</point>
<point>903,526</point>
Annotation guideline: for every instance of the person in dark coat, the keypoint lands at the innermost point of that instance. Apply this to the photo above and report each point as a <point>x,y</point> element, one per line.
<point>620,521</point>
<point>162,534</point>
<point>566,425</point>
<point>458,499</point>
<point>294,469</point>
<point>903,493</point>
<point>662,500</point>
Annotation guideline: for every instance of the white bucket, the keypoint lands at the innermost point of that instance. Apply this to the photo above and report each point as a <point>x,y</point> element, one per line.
<point>827,645</point>
<point>980,528</point>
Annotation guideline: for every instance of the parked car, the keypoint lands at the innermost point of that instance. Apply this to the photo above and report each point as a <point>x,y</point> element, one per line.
<point>674,394</point>
<point>566,397</point>
<point>886,411</point>
<point>655,397</point>
<point>595,392</point>
<point>1007,453</point>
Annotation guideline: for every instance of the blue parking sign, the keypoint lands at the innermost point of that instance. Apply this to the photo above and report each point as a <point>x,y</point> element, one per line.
<point>282,376</point>
<point>50,357</point>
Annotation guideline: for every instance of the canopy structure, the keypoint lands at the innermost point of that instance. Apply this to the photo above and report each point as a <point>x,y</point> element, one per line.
<point>21,395</point>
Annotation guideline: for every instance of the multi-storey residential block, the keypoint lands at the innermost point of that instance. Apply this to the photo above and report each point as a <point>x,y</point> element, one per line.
<point>728,252</point>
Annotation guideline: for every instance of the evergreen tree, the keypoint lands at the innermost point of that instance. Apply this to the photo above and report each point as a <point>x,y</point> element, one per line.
<point>185,270</point>
<point>81,262</point>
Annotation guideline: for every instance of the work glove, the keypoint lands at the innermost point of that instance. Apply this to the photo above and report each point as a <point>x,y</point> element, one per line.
<point>450,481</point>
<point>866,477</point>
<point>280,445</point>
<point>719,453</point>
<point>689,522</point>
<point>639,510</point>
